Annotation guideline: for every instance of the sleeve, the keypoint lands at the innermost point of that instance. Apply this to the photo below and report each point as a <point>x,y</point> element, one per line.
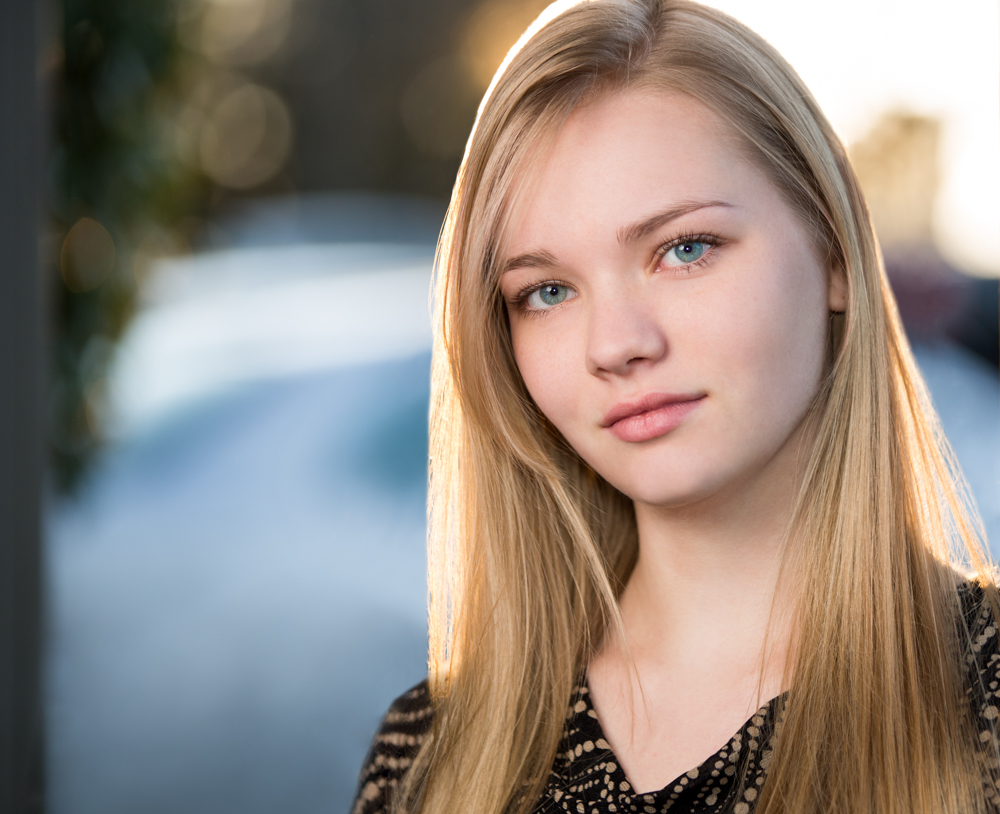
<point>983,659</point>
<point>983,651</point>
<point>396,743</point>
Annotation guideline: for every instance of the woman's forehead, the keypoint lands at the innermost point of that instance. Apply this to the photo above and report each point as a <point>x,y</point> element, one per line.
<point>624,158</point>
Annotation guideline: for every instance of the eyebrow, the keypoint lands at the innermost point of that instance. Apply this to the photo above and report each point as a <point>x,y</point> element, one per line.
<point>626,235</point>
<point>533,260</point>
<point>637,231</point>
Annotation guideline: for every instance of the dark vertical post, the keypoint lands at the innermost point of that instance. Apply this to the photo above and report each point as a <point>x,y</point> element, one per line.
<point>21,360</point>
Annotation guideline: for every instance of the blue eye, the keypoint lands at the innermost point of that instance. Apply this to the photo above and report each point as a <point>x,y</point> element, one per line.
<point>548,295</point>
<point>685,252</point>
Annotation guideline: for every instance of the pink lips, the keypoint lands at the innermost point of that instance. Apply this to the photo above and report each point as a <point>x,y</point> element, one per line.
<point>650,416</point>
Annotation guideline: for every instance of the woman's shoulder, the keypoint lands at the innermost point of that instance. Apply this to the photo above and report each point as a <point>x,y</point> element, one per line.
<point>978,616</point>
<point>396,743</point>
<point>980,629</point>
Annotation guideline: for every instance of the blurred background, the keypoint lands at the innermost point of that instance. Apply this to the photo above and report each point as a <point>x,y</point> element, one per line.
<point>243,201</point>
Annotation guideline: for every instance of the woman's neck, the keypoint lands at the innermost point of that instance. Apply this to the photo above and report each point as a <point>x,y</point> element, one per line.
<point>707,632</point>
<point>694,569</point>
<point>707,576</point>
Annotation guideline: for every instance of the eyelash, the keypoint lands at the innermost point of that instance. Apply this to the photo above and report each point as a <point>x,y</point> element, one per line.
<point>521,298</point>
<point>713,241</point>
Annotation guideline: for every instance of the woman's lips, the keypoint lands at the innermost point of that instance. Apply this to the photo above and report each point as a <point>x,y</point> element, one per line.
<point>650,416</point>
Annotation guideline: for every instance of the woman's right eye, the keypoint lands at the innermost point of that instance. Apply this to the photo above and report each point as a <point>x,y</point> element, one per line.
<point>548,295</point>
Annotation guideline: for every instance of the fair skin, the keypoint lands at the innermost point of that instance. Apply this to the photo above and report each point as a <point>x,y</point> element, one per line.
<point>668,313</point>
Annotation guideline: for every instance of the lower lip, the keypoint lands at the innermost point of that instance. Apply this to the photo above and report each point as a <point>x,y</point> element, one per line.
<point>653,424</point>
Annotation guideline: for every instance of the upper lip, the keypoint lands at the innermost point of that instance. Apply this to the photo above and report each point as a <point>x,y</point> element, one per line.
<point>646,404</point>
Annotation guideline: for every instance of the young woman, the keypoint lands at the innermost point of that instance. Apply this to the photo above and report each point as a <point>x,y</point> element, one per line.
<point>696,541</point>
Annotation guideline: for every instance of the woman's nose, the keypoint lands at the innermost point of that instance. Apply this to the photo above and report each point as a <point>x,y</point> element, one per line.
<point>623,333</point>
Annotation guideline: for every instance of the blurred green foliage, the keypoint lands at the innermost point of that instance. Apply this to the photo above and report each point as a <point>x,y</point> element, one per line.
<point>115,179</point>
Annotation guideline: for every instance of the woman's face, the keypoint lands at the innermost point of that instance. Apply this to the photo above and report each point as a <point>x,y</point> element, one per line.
<point>668,311</point>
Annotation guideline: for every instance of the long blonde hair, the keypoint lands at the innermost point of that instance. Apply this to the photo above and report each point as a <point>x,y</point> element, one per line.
<point>529,548</point>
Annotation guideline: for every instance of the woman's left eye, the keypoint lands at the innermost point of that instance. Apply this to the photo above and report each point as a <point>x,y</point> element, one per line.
<point>686,252</point>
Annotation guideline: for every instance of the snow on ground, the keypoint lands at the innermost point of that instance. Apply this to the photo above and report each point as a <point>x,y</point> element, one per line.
<point>238,593</point>
<point>238,597</point>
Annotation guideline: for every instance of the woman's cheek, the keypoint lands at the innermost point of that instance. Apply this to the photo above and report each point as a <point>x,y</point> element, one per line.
<point>546,362</point>
<point>783,353</point>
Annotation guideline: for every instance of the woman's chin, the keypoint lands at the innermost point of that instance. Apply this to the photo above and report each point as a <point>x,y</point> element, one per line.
<point>673,492</point>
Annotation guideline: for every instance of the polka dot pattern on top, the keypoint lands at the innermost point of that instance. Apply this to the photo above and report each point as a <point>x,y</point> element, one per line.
<point>587,778</point>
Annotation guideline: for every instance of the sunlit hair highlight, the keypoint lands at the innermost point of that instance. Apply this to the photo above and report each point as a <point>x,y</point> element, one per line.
<point>529,548</point>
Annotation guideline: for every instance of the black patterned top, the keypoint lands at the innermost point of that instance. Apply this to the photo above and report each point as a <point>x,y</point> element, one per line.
<point>588,779</point>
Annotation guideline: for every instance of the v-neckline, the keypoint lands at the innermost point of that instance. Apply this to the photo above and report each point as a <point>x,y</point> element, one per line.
<point>729,755</point>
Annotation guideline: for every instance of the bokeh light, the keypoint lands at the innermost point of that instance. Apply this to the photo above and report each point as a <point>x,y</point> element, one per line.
<point>246,137</point>
<point>492,28</point>
<point>87,257</point>
<point>435,105</point>
<point>243,32</point>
